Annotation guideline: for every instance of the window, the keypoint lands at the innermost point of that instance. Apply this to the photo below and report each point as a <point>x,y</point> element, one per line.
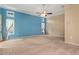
<point>43,26</point>
<point>10,25</point>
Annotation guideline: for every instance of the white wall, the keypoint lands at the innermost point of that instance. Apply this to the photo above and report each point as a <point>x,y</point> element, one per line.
<point>72,24</point>
<point>55,25</point>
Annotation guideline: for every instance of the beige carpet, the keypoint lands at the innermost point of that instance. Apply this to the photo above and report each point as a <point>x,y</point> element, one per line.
<point>42,45</point>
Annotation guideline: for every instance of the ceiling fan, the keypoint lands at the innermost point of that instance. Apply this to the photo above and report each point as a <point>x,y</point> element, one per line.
<point>44,13</point>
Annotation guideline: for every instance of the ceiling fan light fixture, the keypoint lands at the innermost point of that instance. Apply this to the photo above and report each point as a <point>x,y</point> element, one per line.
<point>45,12</point>
<point>43,15</point>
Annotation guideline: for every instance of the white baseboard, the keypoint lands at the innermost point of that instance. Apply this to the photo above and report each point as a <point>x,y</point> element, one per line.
<point>71,43</point>
<point>56,35</point>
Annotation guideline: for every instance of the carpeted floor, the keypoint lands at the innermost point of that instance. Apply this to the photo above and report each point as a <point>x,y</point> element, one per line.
<point>42,45</point>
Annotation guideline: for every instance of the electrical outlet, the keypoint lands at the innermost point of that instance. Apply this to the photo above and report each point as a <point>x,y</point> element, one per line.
<point>70,37</point>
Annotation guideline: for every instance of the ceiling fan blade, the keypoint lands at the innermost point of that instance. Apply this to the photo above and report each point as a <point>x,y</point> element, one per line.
<point>50,13</point>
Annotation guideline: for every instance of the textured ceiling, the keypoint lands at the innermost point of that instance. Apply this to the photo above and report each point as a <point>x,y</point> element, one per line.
<point>33,8</point>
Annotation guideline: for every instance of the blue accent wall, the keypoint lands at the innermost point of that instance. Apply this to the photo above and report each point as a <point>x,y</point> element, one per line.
<point>3,13</point>
<point>0,31</point>
<point>0,10</point>
<point>25,24</point>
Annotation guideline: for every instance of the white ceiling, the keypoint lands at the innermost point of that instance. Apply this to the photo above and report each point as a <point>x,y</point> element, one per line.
<point>33,8</point>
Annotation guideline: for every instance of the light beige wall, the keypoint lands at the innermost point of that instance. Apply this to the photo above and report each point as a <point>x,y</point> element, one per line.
<point>72,24</point>
<point>55,25</point>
